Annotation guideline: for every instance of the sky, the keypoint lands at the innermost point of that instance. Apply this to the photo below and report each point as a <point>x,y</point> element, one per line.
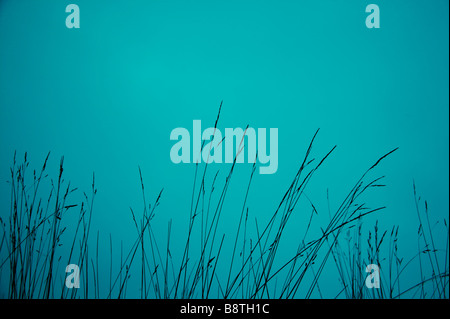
<point>106,96</point>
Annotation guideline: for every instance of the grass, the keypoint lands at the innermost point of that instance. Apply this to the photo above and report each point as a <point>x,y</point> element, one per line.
<point>32,252</point>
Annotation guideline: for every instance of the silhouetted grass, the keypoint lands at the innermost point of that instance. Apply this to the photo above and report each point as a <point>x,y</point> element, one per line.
<point>31,252</point>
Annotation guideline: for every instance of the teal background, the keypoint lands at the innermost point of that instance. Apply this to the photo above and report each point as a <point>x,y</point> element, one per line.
<point>107,95</point>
